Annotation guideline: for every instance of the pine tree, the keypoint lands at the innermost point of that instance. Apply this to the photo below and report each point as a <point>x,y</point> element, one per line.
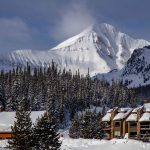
<point>22,132</point>
<point>45,134</point>
<point>87,125</point>
<point>74,129</point>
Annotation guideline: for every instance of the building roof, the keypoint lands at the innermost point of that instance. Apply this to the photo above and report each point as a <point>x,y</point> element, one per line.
<point>110,110</point>
<point>135,110</point>
<point>132,117</point>
<point>123,112</point>
<point>107,117</point>
<point>147,107</point>
<point>7,119</point>
<point>113,109</point>
<point>145,117</point>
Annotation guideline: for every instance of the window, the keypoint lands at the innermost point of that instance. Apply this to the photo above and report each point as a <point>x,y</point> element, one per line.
<point>133,124</point>
<point>117,124</point>
<point>133,134</point>
<point>117,134</point>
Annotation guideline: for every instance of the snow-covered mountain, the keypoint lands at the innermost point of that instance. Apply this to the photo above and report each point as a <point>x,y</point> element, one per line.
<point>136,71</point>
<point>100,47</point>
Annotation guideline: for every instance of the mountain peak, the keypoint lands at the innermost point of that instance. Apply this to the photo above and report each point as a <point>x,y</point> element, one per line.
<point>94,28</point>
<point>104,26</point>
<point>100,47</point>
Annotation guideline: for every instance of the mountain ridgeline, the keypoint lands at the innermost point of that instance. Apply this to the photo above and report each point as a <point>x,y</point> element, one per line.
<point>100,47</point>
<point>136,72</point>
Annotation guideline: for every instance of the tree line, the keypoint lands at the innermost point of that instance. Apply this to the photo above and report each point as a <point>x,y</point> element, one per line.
<point>60,92</point>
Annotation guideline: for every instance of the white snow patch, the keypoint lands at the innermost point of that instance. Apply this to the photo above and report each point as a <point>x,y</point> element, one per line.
<point>92,144</point>
<point>7,119</point>
<point>122,114</point>
<point>107,117</point>
<point>147,107</point>
<point>132,117</point>
<point>145,117</point>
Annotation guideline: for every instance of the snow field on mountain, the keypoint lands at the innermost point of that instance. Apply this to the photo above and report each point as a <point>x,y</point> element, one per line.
<point>136,70</point>
<point>100,47</point>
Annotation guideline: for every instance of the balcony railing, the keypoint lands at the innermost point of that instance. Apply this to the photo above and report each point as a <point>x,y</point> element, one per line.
<point>145,135</point>
<point>133,136</point>
<point>117,126</point>
<point>145,126</point>
<point>133,126</point>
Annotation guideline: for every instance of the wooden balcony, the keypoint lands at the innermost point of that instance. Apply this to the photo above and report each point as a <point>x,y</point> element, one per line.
<point>133,137</point>
<point>117,128</point>
<point>145,127</point>
<point>145,137</point>
<point>132,129</point>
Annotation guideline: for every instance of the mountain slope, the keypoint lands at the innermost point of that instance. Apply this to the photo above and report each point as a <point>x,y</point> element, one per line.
<point>137,70</point>
<point>100,48</point>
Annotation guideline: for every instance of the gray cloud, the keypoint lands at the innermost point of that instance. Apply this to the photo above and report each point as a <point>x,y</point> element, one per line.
<point>14,28</point>
<point>73,20</point>
<point>41,24</point>
<point>14,33</point>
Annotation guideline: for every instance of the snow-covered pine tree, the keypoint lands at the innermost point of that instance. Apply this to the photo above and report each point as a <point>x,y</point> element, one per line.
<point>22,131</point>
<point>45,134</point>
<point>74,129</point>
<point>87,125</point>
<point>99,126</point>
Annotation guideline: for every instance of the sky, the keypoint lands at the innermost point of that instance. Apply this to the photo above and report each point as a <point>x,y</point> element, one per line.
<point>42,24</point>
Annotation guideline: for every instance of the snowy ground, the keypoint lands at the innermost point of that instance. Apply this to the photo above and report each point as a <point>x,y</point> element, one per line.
<point>119,144</point>
<point>86,144</point>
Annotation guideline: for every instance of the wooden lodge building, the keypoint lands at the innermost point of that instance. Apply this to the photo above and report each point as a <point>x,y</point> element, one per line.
<point>128,123</point>
<point>7,120</point>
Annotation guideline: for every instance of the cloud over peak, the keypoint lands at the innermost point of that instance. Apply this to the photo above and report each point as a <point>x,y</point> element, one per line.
<point>73,20</point>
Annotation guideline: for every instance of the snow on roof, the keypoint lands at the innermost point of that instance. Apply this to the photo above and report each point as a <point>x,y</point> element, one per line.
<point>145,117</point>
<point>107,117</point>
<point>113,109</point>
<point>147,107</point>
<point>132,117</point>
<point>110,110</point>
<point>122,114</point>
<point>136,109</point>
<point>7,119</point>
<point>124,110</point>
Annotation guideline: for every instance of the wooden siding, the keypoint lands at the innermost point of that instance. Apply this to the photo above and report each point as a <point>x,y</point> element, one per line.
<point>5,135</point>
<point>134,132</point>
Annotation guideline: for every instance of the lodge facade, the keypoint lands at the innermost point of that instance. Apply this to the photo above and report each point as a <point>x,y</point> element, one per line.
<point>128,123</point>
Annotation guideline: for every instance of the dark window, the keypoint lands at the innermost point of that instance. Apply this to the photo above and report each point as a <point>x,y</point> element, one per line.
<point>133,134</point>
<point>145,134</point>
<point>145,125</point>
<point>117,124</point>
<point>133,124</point>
